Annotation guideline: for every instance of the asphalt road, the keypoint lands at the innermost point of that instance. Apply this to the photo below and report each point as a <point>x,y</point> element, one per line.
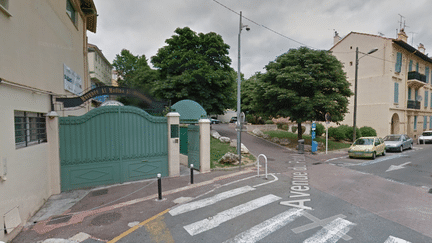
<point>411,167</point>
<point>305,201</point>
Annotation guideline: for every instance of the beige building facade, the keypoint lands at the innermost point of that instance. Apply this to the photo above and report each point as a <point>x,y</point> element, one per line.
<point>43,56</point>
<point>100,68</point>
<point>394,83</point>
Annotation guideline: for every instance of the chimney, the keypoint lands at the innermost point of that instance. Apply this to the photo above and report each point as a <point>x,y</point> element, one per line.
<point>336,38</point>
<point>421,48</point>
<point>402,35</point>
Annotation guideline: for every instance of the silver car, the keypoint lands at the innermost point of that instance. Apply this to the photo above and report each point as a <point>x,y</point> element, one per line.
<point>426,137</point>
<point>398,142</point>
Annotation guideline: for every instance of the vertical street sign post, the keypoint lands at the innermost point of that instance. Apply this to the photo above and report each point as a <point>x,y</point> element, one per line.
<point>313,133</point>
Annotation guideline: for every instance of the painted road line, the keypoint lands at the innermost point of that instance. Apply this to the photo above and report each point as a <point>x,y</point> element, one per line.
<point>382,159</point>
<point>267,227</point>
<point>397,167</point>
<point>319,223</point>
<point>209,201</point>
<point>332,232</point>
<point>265,183</point>
<point>393,239</point>
<point>213,222</point>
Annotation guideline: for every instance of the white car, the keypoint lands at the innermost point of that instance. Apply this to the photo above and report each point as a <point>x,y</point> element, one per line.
<point>426,137</point>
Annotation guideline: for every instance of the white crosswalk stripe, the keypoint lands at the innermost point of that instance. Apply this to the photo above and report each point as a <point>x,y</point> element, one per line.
<point>333,228</point>
<point>267,227</point>
<point>210,223</point>
<point>393,239</point>
<point>332,232</point>
<point>209,201</point>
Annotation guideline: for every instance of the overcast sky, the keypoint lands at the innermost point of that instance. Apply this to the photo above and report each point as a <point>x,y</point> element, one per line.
<point>143,26</point>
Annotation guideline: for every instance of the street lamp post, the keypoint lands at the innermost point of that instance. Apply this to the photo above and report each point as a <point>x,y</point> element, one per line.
<point>355,88</point>
<point>239,119</point>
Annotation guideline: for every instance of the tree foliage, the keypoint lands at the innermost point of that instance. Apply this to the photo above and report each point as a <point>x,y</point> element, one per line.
<point>303,84</point>
<point>134,72</point>
<point>197,67</point>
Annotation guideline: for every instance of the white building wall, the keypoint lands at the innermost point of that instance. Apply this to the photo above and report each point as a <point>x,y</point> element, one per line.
<point>37,40</point>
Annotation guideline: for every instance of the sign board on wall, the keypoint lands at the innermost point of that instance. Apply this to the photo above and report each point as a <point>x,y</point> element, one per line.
<point>72,81</point>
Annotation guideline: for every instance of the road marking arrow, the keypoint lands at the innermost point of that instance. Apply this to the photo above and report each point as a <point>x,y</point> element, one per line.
<point>397,167</point>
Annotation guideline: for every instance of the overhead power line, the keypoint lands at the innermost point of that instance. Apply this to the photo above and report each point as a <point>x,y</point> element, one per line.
<point>265,27</point>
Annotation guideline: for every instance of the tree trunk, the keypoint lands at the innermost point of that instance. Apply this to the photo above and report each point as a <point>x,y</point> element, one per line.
<point>299,130</point>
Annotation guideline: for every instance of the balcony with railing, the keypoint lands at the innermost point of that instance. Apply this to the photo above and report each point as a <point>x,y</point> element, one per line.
<point>416,80</point>
<point>412,104</point>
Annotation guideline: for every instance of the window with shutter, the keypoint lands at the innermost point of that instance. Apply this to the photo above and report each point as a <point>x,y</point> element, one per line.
<point>398,66</point>
<point>426,99</point>
<point>396,92</point>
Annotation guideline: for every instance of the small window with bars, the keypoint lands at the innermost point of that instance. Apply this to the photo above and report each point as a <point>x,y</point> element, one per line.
<point>30,129</point>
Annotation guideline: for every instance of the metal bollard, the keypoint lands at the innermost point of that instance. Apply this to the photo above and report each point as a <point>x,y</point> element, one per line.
<point>191,173</point>
<point>159,186</point>
<point>258,164</point>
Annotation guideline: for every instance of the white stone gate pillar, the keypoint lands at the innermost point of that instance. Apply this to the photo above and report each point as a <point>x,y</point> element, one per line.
<point>204,125</point>
<point>173,118</point>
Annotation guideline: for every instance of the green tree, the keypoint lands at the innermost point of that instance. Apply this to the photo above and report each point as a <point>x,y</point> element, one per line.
<point>134,72</point>
<point>197,67</point>
<point>304,85</point>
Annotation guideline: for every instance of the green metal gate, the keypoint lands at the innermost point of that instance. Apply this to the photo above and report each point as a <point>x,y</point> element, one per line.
<point>112,144</point>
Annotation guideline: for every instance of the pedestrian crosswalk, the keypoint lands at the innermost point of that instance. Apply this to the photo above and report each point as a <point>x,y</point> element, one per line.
<point>330,230</point>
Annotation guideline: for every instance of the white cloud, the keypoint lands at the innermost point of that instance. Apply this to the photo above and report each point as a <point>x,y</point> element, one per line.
<point>143,26</point>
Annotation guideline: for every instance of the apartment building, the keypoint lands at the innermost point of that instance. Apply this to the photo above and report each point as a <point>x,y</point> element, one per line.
<point>100,70</point>
<point>394,83</point>
<point>43,56</point>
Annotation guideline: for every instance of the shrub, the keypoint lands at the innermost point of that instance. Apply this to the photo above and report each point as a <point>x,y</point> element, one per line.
<point>367,131</point>
<point>338,133</point>
<point>349,133</point>
<point>285,126</point>
<point>331,131</point>
<point>303,129</point>
<point>250,118</point>
<point>269,122</point>
<point>294,129</point>
<point>320,129</point>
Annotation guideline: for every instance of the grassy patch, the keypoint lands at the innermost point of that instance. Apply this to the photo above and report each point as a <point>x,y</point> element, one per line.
<point>219,149</point>
<point>332,145</point>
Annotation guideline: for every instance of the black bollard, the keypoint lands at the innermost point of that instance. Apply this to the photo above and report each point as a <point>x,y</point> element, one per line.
<point>159,186</point>
<point>191,173</point>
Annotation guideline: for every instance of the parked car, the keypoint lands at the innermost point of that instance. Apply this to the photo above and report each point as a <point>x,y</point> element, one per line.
<point>233,119</point>
<point>367,147</point>
<point>214,120</point>
<point>398,142</point>
<point>426,137</point>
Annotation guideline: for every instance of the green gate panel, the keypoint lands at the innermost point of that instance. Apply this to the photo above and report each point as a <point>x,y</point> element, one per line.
<point>184,140</point>
<point>88,175</point>
<point>110,143</point>
<point>142,169</point>
<point>194,146</point>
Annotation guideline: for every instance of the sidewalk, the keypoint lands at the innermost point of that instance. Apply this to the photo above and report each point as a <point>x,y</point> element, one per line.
<point>106,212</point>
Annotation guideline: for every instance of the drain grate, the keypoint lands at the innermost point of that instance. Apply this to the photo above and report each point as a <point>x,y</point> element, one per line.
<point>105,219</point>
<point>59,219</point>
<point>99,192</point>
